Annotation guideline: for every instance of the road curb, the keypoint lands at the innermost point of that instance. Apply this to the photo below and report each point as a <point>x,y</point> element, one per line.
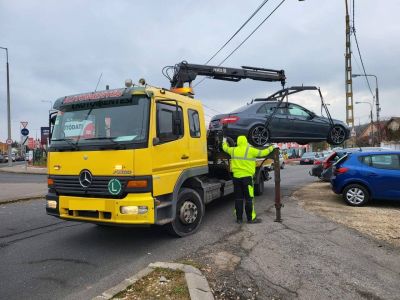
<point>195,280</point>
<point>8,201</point>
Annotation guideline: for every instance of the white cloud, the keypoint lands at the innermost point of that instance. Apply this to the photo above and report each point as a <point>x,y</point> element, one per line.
<point>61,47</point>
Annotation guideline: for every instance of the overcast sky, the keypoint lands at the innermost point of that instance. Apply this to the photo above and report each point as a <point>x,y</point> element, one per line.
<point>58,48</point>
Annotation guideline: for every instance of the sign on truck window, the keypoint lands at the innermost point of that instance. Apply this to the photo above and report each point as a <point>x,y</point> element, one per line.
<point>74,129</point>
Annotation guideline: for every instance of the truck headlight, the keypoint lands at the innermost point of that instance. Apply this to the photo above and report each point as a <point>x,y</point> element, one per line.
<point>51,204</point>
<point>133,210</point>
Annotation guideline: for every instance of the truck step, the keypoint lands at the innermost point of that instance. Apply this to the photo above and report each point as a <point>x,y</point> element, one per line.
<point>164,221</point>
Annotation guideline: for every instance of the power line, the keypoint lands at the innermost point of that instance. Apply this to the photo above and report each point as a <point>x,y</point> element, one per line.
<point>212,109</point>
<point>234,50</point>
<point>361,71</point>
<point>359,53</point>
<point>237,31</point>
<point>362,63</point>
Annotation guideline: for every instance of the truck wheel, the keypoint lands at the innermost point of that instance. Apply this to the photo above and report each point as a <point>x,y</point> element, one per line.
<point>189,213</point>
<point>259,187</point>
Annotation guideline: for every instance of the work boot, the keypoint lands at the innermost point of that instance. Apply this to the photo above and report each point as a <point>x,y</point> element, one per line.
<point>239,221</point>
<point>255,221</point>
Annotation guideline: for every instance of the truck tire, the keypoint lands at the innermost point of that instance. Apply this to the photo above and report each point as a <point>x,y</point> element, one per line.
<point>189,213</point>
<point>259,187</point>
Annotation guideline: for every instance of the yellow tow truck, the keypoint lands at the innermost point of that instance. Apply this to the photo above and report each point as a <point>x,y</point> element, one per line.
<point>140,155</point>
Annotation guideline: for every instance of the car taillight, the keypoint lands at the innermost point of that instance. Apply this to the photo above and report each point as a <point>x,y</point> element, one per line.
<point>317,162</point>
<point>230,120</point>
<point>341,170</point>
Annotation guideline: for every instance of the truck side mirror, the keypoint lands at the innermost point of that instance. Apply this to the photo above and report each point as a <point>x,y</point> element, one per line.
<point>156,141</point>
<point>53,119</point>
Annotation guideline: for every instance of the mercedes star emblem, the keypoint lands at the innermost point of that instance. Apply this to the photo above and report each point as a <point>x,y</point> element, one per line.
<point>85,178</point>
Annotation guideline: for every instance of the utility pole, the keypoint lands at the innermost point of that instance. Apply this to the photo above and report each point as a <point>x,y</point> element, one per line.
<point>8,111</point>
<point>378,109</point>
<point>348,72</point>
<point>372,120</point>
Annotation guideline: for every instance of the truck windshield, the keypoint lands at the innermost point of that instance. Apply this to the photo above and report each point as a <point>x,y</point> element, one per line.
<point>90,126</point>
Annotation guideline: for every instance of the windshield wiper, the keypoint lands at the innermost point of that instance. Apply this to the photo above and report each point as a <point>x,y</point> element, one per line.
<point>69,141</point>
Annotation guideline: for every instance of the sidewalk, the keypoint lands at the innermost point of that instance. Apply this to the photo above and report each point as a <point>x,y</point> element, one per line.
<point>304,257</point>
<point>21,169</point>
<point>12,192</point>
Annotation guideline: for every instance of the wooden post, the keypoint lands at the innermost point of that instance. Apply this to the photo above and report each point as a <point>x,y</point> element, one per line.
<point>277,175</point>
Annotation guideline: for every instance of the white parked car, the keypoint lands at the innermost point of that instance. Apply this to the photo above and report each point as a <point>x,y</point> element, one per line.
<point>270,163</point>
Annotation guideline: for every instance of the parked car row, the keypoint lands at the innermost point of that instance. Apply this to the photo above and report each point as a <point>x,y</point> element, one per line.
<point>362,174</point>
<point>4,157</point>
<point>14,157</point>
<point>323,170</point>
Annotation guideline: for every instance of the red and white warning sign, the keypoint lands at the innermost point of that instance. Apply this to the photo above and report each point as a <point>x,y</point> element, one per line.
<point>9,141</point>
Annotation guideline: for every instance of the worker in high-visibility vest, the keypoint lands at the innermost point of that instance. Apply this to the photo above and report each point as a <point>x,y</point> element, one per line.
<point>243,166</point>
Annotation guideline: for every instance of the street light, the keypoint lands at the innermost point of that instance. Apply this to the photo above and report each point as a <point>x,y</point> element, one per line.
<point>378,109</point>
<point>372,122</point>
<point>8,109</point>
<point>48,101</point>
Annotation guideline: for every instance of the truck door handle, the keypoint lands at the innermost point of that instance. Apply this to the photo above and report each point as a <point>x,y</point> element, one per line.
<point>370,174</point>
<point>184,156</point>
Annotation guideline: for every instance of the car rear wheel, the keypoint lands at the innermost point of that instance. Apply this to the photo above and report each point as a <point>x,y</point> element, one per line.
<point>258,135</point>
<point>355,195</point>
<point>337,135</point>
<point>259,188</point>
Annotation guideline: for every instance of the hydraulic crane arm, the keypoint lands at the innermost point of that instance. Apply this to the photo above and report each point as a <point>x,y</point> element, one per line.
<point>186,73</point>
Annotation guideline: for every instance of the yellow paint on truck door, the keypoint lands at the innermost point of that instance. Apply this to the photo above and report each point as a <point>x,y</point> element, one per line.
<point>197,137</point>
<point>171,155</point>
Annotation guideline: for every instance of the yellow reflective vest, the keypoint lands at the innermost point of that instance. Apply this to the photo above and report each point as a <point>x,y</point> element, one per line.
<point>243,157</point>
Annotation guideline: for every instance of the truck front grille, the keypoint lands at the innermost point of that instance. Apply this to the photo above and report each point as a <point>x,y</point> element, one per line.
<point>70,185</point>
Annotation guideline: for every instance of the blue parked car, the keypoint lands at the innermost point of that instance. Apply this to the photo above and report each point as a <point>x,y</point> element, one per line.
<point>361,176</point>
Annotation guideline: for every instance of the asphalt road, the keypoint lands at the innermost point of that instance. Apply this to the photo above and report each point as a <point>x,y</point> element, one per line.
<point>45,258</point>
<point>22,178</point>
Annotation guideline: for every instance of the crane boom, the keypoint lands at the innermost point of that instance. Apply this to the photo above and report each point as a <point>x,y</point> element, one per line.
<point>186,73</point>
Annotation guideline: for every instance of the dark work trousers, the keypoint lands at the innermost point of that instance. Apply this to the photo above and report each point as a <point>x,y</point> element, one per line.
<point>242,194</point>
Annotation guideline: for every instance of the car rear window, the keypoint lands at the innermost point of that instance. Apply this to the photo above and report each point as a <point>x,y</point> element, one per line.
<point>240,109</point>
<point>342,159</point>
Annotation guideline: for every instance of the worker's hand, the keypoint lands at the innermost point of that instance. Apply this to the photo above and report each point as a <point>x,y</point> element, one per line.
<point>224,140</point>
<point>275,146</point>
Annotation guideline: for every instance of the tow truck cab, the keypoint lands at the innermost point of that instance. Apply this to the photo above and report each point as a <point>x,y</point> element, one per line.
<point>132,156</point>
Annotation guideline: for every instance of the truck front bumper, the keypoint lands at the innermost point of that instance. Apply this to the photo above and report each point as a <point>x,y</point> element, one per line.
<point>134,209</point>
